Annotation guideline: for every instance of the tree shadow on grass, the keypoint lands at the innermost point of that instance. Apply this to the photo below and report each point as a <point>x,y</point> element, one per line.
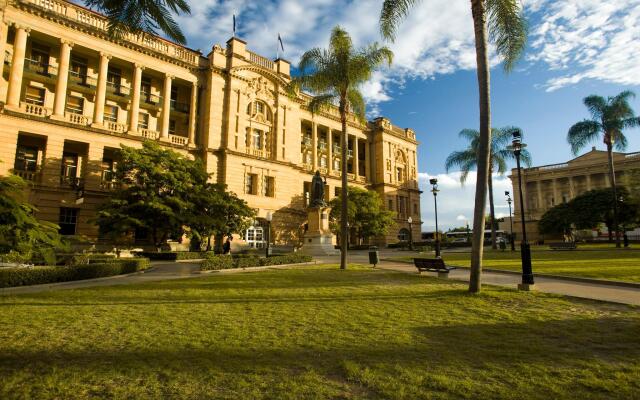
<point>568,346</point>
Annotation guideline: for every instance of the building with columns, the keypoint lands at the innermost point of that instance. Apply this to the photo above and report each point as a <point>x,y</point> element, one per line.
<point>549,185</point>
<point>70,95</point>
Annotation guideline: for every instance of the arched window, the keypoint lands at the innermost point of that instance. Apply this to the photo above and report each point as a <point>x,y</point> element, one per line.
<point>403,235</point>
<point>260,111</point>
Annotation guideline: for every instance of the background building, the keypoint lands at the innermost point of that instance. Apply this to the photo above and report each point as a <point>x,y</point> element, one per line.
<point>549,185</point>
<point>71,95</point>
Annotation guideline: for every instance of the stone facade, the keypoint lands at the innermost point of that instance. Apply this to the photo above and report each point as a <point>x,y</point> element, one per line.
<point>549,185</point>
<point>71,95</point>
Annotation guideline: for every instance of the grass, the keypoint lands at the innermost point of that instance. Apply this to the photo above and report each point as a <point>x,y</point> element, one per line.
<point>612,264</point>
<point>315,333</point>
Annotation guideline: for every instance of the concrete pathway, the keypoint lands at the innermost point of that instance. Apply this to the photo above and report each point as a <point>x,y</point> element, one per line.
<point>171,270</point>
<point>592,291</point>
<point>160,271</point>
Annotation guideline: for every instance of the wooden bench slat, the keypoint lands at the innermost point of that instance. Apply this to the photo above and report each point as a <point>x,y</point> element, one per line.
<point>431,265</point>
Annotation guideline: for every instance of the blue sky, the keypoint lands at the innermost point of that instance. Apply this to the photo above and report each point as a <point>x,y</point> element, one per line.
<point>576,48</point>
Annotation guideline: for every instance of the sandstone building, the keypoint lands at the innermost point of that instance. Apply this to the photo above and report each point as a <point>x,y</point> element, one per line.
<point>71,95</point>
<point>549,185</point>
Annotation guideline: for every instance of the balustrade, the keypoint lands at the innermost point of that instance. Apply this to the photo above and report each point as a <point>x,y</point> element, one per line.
<point>35,109</point>
<point>149,134</point>
<point>116,127</point>
<point>175,139</point>
<point>78,119</point>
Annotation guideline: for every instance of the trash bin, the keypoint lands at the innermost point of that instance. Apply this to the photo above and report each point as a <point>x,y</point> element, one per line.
<point>374,257</point>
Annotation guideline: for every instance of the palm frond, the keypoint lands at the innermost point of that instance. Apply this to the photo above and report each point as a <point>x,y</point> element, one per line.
<point>507,30</point>
<point>321,102</point>
<point>596,105</point>
<point>582,134</point>
<point>469,134</point>
<point>393,11</point>
<point>464,161</point>
<point>357,104</point>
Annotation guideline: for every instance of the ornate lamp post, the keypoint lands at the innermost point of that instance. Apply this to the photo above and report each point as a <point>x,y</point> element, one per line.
<point>525,249</point>
<point>269,217</point>
<point>410,221</point>
<point>434,190</point>
<point>509,201</point>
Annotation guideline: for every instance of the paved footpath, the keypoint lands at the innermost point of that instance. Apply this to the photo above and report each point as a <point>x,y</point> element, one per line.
<point>171,270</point>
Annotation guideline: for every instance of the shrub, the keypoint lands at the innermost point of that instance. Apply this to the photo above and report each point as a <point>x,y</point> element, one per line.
<point>218,262</point>
<point>174,255</point>
<point>10,277</point>
<point>192,255</point>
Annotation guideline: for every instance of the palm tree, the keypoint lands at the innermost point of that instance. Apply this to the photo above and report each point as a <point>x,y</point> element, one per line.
<point>467,159</point>
<point>507,29</point>
<point>335,75</point>
<point>137,16</point>
<point>609,117</point>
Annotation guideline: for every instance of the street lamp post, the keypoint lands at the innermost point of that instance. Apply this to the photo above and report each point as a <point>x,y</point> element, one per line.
<point>434,190</point>
<point>509,201</point>
<point>410,221</point>
<point>525,249</point>
<point>268,218</point>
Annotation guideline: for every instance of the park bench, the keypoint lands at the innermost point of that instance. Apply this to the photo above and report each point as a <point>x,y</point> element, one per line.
<point>433,265</point>
<point>563,246</point>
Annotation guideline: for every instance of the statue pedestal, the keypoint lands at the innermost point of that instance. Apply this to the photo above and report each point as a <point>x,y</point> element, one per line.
<point>318,240</point>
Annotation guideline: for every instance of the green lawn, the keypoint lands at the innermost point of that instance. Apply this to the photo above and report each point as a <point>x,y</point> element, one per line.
<point>621,265</point>
<point>315,333</point>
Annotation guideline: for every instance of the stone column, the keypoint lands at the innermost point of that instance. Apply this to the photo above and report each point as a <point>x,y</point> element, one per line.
<point>356,162</point>
<point>329,150</point>
<point>314,146</point>
<point>63,77</point>
<point>166,108</point>
<point>588,179</point>
<point>17,67</point>
<point>367,160</point>
<point>556,199</point>
<point>539,193</point>
<point>101,90</point>
<point>135,99</point>
<point>571,188</point>
<point>193,114</point>
<point>4,32</point>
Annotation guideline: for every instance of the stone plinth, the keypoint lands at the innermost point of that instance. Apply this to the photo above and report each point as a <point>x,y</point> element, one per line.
<point>318,240</point>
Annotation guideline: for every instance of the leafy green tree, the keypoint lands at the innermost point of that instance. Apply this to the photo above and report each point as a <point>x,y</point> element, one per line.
<point>218,213</point>
<point>20,231</point>
<point>557,220</point>
<point>156,185</point>
<point>499,155</point>
<point>609,117</point>
<point>139,16</point>
<point>365,213</point>
<point>335,75</point>
<point>507,28</point>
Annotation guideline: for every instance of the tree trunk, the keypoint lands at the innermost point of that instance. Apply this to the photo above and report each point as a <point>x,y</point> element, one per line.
<point>480,29</point>
<point>612,178</point>
<point>344,237</point>
<point>492,211</point>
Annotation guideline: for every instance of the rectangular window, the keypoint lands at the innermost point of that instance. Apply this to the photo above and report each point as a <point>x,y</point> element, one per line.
<point>75,105</point>
<point>337,191</point>
<point>257,139</point>
<point>78,69</point>
<point>306,192</point>
<point>39,61</point>
<point>402,208</point>
<point>108,170</point>
<point>415,209</point>
<point>111,113</point>
<point>69,166</point>
<point>34,95</point>
<point>268,186</point>
<point>114,76</point>
<point>172,126</point>
<point>336,164</point>
<point>390,205</point>
<point>68,221</point>
<point>145,89</point>
<point>26,159</point>
<point>250,184</point>
<point>143,121</point>
<point>323,162</point>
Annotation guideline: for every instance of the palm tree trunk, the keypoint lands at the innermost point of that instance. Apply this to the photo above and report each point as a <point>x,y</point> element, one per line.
<point>344,192</point>
<point>612,178</point>
<point>480,28</point>
<point>492,211</point>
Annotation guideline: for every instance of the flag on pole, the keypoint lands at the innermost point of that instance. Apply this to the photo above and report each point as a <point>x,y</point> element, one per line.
<point>280,40</point>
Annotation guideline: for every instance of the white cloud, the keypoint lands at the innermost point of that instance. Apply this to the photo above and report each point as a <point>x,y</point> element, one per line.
<point>587,39</point>
<point>456,202</point>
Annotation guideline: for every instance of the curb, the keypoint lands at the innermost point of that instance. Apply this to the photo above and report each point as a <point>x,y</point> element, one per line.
<point>261,268</point>
<point>593,281</point>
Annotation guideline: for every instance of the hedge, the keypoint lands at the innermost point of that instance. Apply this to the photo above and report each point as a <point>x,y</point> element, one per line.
<point>10,277</point>
<point>173,255</point>
<point>218,262</point>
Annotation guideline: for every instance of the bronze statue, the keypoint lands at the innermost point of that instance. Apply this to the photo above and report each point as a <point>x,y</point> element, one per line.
<point>317,191</point>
